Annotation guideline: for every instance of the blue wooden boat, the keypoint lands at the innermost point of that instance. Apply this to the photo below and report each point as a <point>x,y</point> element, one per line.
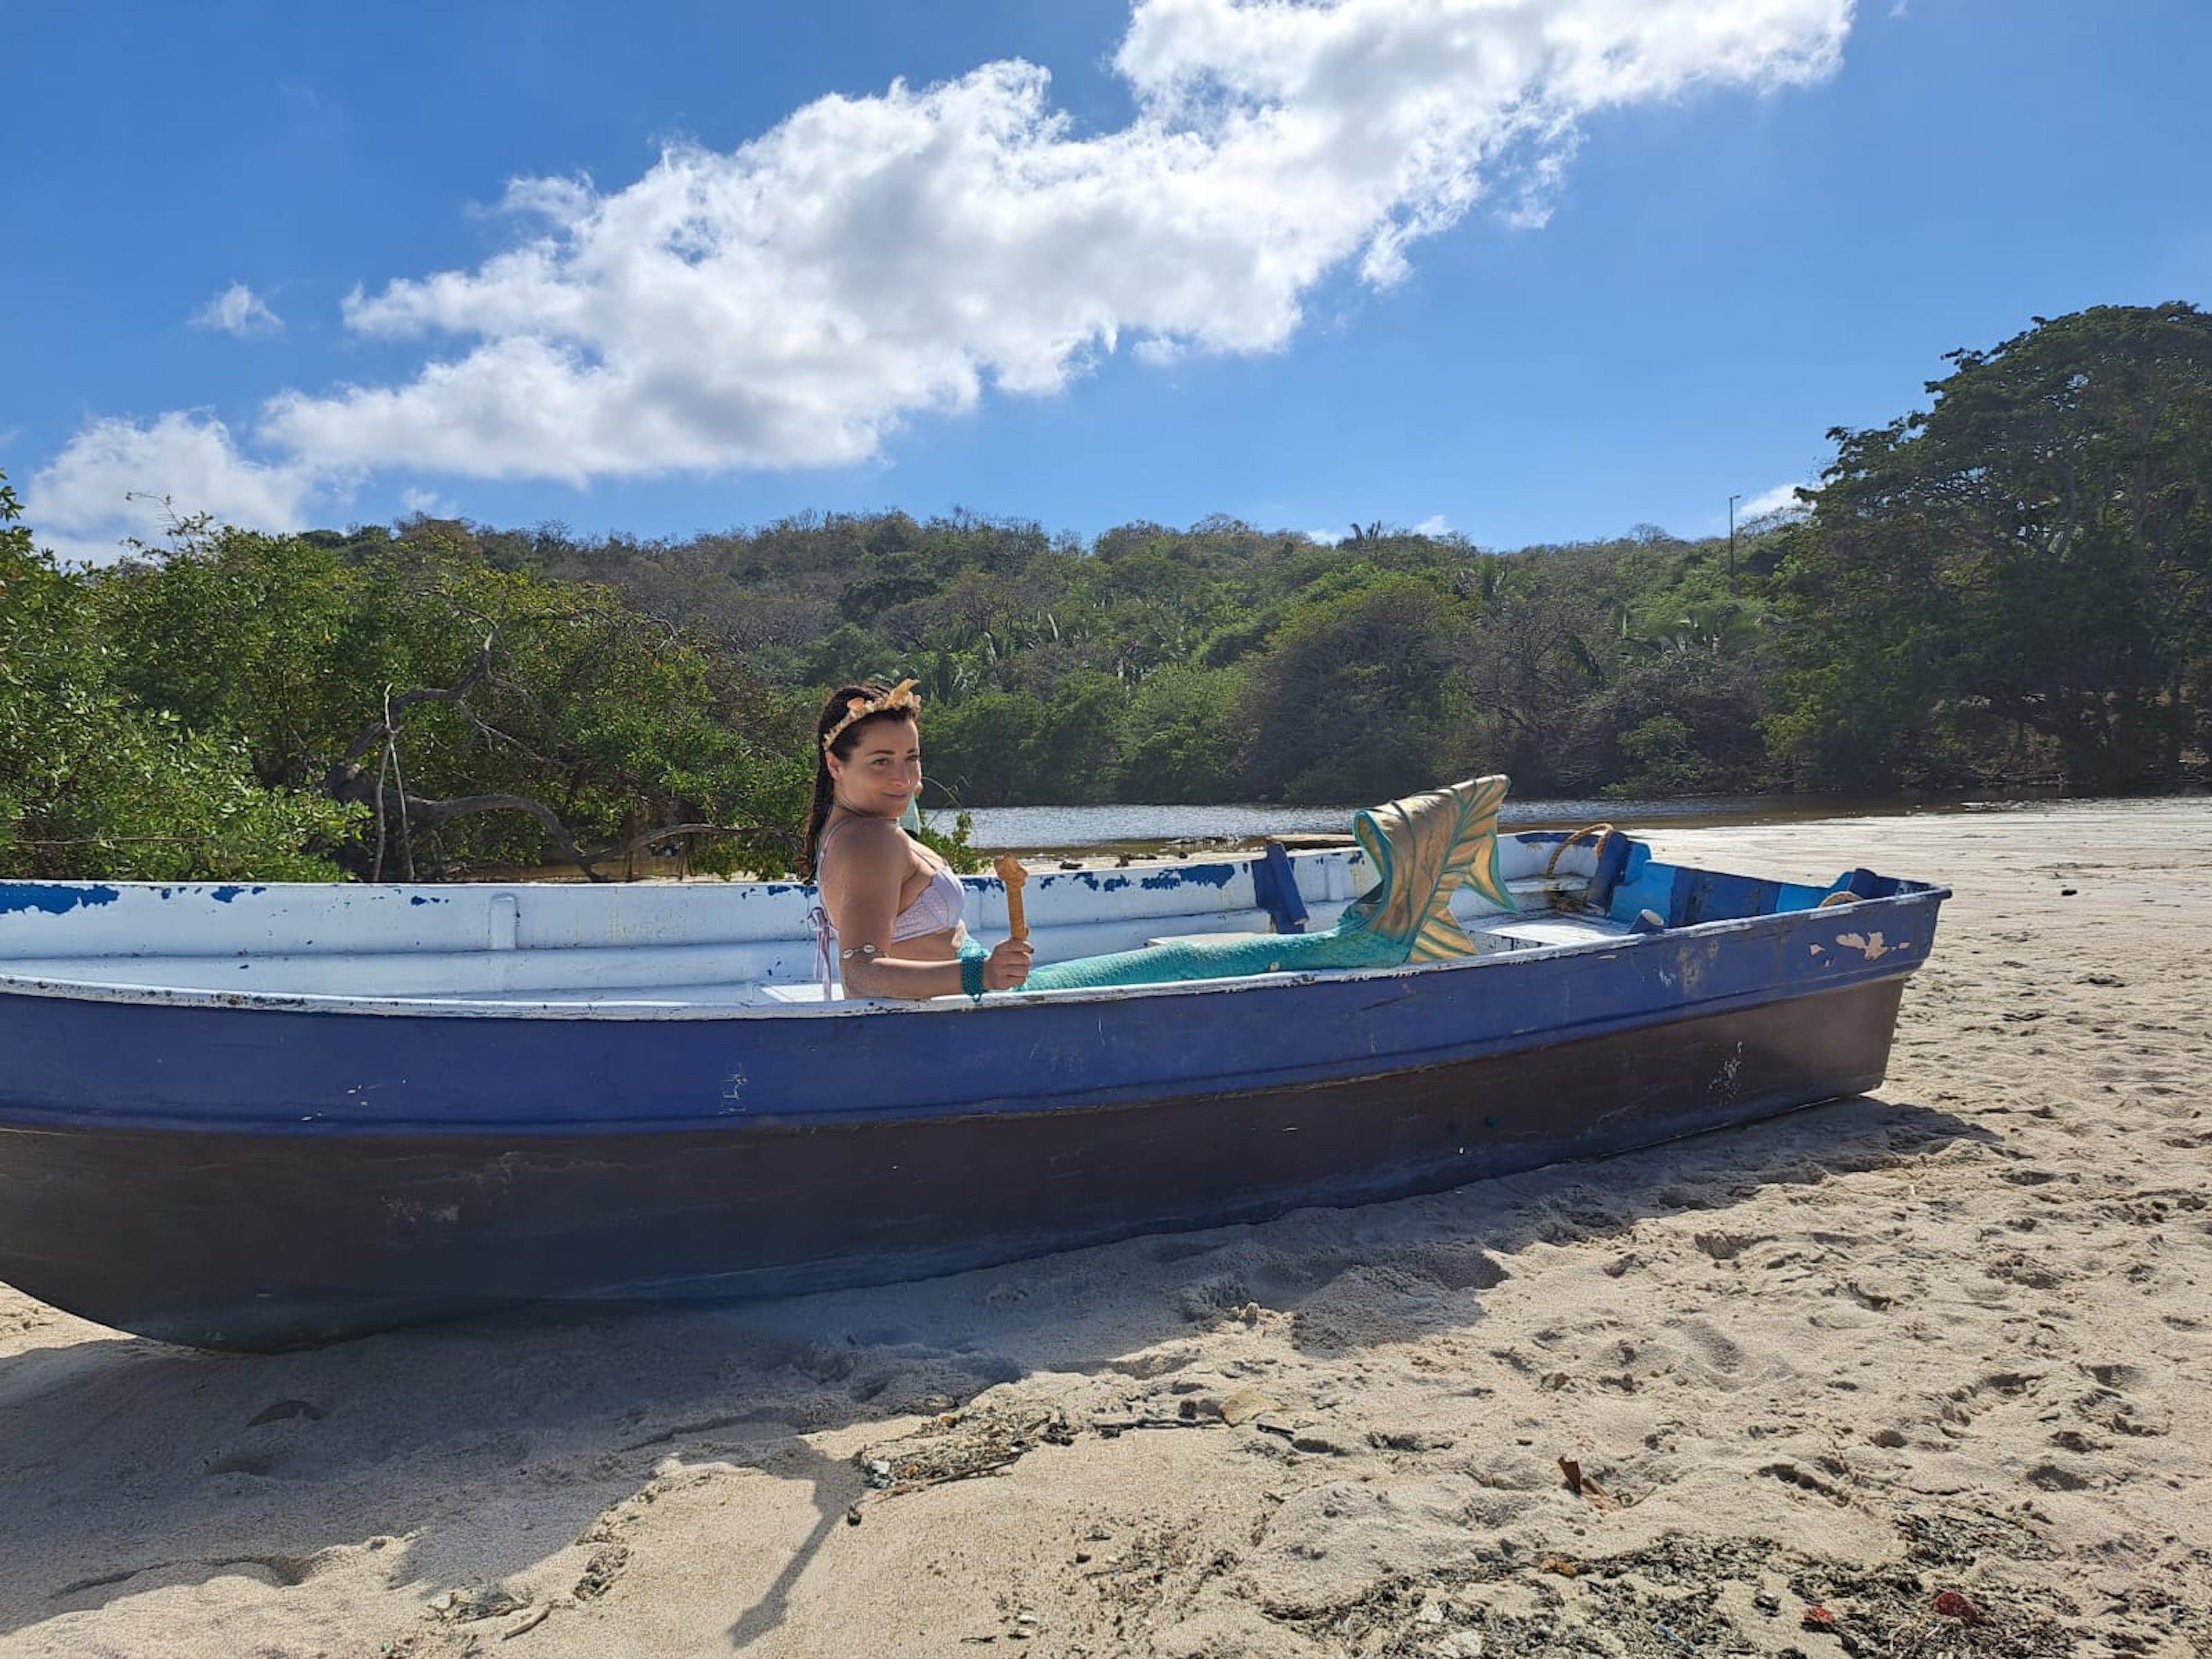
<point>254,1116</point>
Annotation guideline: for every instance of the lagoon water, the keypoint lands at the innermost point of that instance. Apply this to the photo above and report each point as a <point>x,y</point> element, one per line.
<point>1128,827</point>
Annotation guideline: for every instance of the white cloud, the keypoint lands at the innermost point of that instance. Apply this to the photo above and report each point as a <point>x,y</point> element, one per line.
<point>428,503</point>
<point>1782,498</point>
<point>117,478</point>
<point>239,310</point>
<point>1434,524</point>
<point>871,260</point>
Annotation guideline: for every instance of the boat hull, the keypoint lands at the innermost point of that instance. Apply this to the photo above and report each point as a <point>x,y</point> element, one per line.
<point>297,1222</point>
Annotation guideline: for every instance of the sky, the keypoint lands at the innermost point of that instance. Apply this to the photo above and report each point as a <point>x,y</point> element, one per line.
<point>1521,271</point>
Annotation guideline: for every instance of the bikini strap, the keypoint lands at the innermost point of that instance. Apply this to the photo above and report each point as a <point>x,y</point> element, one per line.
<point>819,919</point>
<point>822,843</point>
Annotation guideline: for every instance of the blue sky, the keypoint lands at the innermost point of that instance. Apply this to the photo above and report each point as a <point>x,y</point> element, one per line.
<point>1527,269</point>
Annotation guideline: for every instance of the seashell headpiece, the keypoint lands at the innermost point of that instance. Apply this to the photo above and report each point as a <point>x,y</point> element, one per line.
<point>900,698</point>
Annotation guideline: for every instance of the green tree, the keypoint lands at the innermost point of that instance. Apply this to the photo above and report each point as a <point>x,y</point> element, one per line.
<point>480,715</point>
<point>1074,753</point>
<point>94,788</point>
<point>2032,551</point>
<point>978,752</point>
<point>1358,696</point>
<point>1185,736</point>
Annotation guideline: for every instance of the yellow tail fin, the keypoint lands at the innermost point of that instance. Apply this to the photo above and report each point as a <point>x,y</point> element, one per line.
<point>1423,848</point>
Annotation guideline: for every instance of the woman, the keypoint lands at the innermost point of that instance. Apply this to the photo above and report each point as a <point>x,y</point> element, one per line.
<point>893,904</point>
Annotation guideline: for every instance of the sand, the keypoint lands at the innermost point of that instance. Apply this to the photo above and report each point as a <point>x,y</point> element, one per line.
<point>1954,1337</point>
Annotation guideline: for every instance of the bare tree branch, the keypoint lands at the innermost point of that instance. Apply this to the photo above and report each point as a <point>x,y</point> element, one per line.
<point>430,813</point>
<point>348,780</point>
<point>513,742</point>
<point>377,732</point>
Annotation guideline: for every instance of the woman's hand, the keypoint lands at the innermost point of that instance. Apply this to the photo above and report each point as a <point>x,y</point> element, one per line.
<point>1008,965</point>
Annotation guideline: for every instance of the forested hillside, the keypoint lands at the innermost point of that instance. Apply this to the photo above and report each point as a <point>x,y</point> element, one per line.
<point>2009,587</point>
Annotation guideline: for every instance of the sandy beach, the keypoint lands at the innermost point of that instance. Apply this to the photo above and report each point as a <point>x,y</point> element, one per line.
<point>1950,1340</point>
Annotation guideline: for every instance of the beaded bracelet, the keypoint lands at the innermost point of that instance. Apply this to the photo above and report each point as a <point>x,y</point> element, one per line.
<point>971,977</point>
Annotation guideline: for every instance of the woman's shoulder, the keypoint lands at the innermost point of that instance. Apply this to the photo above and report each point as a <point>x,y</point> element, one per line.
<point>866,840</point>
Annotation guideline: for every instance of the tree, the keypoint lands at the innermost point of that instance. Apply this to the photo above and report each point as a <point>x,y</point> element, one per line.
<point>478,715</point>
<point>1356,697</point>
<point>2032,551</point>
<point>978,752</point>
<point>94,787</point>
<point>1186,735</point>
<point>1077,742</point>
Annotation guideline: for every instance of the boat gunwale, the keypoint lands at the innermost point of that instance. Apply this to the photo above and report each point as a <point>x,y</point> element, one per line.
<point>647,1008</point>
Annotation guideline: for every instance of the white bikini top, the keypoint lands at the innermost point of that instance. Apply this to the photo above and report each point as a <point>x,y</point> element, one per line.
<point>936,907</point>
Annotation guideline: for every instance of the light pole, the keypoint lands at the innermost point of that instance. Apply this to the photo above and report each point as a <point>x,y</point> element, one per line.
<point>1733,499</point>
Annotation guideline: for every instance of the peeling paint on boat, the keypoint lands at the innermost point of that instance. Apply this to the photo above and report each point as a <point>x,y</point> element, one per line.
<point>1197,875</point>
<point>53,898</point>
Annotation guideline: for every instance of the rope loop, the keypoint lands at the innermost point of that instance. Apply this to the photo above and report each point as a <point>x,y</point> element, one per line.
<point>1604,832</point>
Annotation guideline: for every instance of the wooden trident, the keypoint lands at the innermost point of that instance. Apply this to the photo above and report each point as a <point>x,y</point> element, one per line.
<point>1011,873</point>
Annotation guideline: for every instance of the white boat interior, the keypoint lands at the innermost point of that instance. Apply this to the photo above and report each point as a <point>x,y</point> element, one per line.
<point>703,946</point>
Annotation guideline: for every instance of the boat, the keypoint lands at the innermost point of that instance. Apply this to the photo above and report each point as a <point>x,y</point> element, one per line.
<point>260,1115</point>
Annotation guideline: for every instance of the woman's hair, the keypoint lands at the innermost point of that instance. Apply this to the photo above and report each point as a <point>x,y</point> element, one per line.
<point>837,709</point>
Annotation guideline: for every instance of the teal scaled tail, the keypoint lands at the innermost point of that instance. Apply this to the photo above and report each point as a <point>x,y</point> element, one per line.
<point>1422,847</point>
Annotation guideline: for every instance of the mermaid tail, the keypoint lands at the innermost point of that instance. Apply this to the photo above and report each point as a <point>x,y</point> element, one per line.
<point>1422,848</point>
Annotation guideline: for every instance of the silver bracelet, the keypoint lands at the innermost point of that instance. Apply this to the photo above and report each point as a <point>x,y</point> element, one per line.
<point>859,950</point>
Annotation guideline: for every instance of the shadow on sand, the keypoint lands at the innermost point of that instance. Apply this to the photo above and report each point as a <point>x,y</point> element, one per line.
<point>471,1452</point>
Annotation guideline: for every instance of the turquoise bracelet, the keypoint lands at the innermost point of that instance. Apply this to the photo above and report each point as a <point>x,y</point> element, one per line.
<point>971,976</point>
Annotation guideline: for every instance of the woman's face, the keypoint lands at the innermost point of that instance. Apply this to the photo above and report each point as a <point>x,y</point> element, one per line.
<point>883,771</point>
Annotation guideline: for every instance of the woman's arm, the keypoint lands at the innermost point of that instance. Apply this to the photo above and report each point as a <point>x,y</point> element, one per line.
<point>864,976</point>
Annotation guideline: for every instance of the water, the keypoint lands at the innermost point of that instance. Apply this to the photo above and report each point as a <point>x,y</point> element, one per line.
<point>1139,828</point>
